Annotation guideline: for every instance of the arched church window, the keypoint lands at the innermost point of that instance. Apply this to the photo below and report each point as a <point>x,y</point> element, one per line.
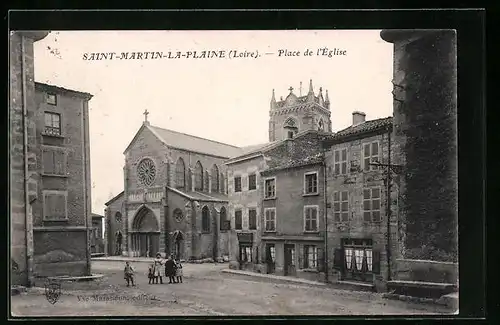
<point>215,178</point>
<point>291,128</point>
<point>223,219</point>
<point>321,126</point>
<point>180,174</point>
<point>205,219</point>
<point>222,183</point>
<point>118,216</point>
<point>198,177</point>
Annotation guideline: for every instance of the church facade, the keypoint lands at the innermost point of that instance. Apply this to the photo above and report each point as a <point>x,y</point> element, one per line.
<point>174,199</point>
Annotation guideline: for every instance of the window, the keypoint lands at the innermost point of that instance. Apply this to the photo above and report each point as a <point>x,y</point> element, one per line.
<point>205,219</point>
<point>340,161</point>
<point>52,123</point>
<point>180,174</point>
<point>321,126</point>
<point>215,178</point>
<point>238,220</point>
<point>270,219</point>
<point>290,134</point>
<point>222,183</point>
<point>55,205</point>
<point>341,206</point>
<point>310,257</point>
<point>97,233</point>
<point>252,182</point>
<point>311,183</point>
<point>311,218</point>
<point>371,204</point>
<point>198,177</point>
<point>237,183</point>
<point>252,219</point>
<point>223,219</point>
<point>246,253</point>
<point>370,155</point>
<point>54,162</point>
<point>118,217</point>
<point>270,188</point>
<point>51,99</point>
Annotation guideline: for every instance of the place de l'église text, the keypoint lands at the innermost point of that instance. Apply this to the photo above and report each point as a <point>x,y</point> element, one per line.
<point>210,54</point>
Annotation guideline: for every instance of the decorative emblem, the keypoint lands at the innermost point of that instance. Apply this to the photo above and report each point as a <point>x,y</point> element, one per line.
<point>178,215</point>
<point>52,291</point>
<point>146,172</point>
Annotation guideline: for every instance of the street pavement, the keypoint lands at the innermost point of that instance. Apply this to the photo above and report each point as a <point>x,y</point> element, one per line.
<point>206,291</point>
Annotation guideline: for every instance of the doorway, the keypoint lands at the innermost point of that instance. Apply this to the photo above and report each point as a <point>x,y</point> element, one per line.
<point>358,255</point>
<point>270,258</point>
<point>289,254</point>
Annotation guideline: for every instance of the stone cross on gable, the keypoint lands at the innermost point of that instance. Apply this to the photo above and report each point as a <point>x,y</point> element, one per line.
<point>146,113</point>
<point>291,88</point>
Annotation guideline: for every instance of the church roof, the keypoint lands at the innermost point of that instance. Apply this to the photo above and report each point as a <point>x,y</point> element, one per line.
<point>183,141</point>
<point>198,196</point>
<point>193,143</point>
<point>115,198</point>
<point>248,151</point>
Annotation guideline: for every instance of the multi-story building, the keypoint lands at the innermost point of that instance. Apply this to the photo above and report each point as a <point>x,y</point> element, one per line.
<point>23,177</point>
<point>113,230</point>
<point>62,218</point>
<point>270,234</point>
<point>359,247</point>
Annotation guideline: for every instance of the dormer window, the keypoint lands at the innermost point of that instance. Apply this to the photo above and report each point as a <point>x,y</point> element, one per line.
<point>290,134</point>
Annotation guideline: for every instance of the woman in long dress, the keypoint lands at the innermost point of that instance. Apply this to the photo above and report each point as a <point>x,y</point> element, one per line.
<point>157,268</point>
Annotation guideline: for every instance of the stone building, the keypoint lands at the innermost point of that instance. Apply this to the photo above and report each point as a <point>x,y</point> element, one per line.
<point>358,247</point>
<point>22,150</point>
<point>425,129</point>
<point>50,150</point>
<point>113,230</point>
<point>174,199</point>
<point>62,219</point>
<point>297,126</point>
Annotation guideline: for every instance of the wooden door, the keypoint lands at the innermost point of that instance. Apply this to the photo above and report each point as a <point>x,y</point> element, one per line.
<point>289,250</point>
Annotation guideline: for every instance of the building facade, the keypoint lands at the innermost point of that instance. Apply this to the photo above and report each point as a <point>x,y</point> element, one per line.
<point>269,234</point>
<point>22,150</point>
<point>174,199</point>
<point>359,248</point>
<point>62,219</point>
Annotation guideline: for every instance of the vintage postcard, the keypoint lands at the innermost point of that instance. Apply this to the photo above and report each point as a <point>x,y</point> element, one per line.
<point>233,173</point>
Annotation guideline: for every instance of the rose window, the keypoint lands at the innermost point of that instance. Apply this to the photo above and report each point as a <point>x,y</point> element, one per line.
<point>146,172</point>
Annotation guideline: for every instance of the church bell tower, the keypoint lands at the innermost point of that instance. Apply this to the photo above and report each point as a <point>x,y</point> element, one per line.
<point>292,115</point>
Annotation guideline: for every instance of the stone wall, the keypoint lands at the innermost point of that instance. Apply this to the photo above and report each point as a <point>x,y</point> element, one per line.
<point>425,122</point>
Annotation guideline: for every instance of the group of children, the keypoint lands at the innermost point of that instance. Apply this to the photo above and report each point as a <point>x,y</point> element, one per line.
<point>173,270</point>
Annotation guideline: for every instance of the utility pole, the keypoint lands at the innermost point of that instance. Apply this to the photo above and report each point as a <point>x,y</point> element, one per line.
<point>389,169</point>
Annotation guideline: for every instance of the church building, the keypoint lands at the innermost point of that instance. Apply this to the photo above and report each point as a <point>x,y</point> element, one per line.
<point>174,199</point>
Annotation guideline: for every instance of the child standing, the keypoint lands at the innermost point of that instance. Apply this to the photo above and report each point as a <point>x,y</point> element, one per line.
<point>151,275</point>
<point>178,271</point>
<point>129,274</point>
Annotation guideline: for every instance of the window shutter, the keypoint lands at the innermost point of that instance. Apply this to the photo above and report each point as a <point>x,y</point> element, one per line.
<point>59,162</point>
<point>301,256</point>
<point>376,262</point>
<point>338,259</point>
<point>48,162</point>
<point>320,263</point>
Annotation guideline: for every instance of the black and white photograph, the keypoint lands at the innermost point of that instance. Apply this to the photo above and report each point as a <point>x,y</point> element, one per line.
<point>233,172</point>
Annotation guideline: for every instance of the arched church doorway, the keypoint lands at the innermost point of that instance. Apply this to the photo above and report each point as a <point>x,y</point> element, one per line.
<point>145,234</point>
<point>178,244</point>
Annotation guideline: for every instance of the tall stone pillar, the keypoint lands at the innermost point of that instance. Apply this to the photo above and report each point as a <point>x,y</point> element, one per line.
<point>425,141</point>
<point>188,240</point>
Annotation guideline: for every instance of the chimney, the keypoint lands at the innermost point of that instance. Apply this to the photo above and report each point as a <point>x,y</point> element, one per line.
<point>358,117</point>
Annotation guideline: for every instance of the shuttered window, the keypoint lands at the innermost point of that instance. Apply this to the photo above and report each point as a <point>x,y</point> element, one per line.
<point>54,162</point>
<point>55,206</point>
<point>238,220</point>
<point>252,219</point>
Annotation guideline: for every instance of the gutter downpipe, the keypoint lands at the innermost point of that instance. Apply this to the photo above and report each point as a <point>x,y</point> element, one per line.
<point>325,215</point>
<point>28,220</point>
<point>389,208</point>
